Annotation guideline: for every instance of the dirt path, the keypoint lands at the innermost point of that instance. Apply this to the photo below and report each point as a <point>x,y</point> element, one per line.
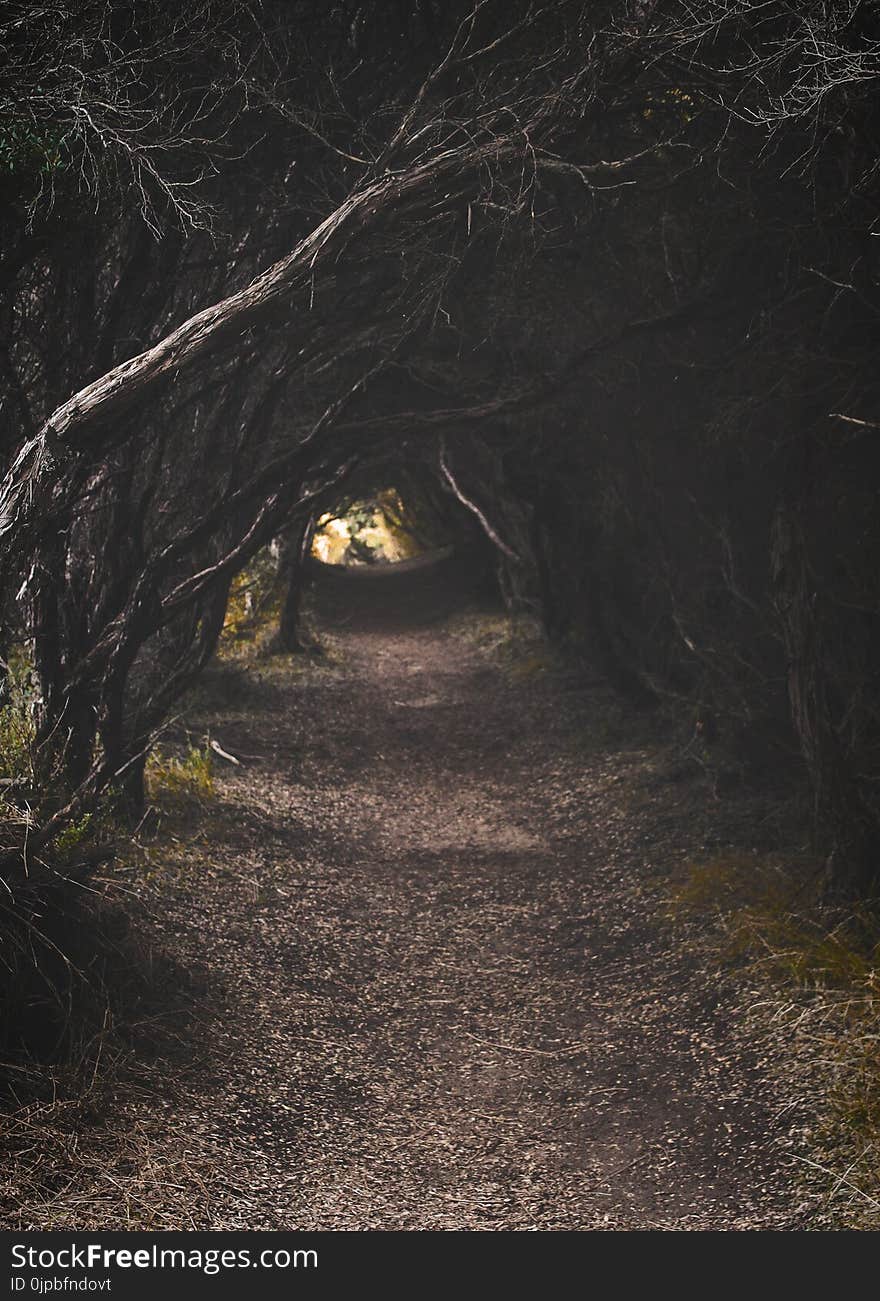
<point>431,912</point>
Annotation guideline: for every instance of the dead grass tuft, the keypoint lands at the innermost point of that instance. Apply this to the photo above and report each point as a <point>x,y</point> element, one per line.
<point>815,976</point>
<point>82,1143</point>
<point>515,643</point>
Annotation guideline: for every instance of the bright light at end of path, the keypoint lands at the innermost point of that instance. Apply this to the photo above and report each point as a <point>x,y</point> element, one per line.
<point>370,532</point>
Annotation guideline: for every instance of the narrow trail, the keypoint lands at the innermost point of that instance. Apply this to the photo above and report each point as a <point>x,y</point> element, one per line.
<point>433,917</point>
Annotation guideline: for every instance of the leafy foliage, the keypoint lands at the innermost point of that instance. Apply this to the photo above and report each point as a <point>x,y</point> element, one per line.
<point>27,147</point>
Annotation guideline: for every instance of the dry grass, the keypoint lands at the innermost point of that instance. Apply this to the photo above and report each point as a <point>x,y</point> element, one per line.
<point>100,1034</point>
<point>180,777</point>
<point>515,644</point>
<point>84,1141</point>
<point>815,978</point>
<point>86,1156</point>
<point>597,720</point>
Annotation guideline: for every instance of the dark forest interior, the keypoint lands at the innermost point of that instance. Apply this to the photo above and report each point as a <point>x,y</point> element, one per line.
<point>440,602</point>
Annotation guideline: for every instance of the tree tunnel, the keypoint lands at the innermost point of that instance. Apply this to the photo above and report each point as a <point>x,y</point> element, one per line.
<point>511,282</point>
<point>439,524</point>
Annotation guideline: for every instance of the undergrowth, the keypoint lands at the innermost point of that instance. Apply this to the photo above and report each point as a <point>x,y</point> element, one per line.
<point>74,1150</point>
<point>515,643</point>
<point>17,723</point>
<point>97,1018</point>
<point>815,976</point>
<point>251,628</point>
<point>518,647</point>
<point>93,1014</point>
<point>253,608</point>
<point>179,777</point>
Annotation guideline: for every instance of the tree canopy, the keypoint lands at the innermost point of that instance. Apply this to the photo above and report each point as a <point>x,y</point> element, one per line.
<point>605,273</point>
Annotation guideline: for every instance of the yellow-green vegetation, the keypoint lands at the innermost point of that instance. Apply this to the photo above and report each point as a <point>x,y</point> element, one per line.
<point>17,731</point>
<point>73,836</point>
<point>367,531</point>
<point>17,726</point>
<point>179,778</point>
<point>818,972</point>
<point>253,609</point>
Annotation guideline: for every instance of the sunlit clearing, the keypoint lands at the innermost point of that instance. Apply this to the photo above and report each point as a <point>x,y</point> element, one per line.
<point>372,531</point>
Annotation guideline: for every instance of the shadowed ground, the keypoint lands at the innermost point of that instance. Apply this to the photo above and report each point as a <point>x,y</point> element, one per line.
<point>430,906</point>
